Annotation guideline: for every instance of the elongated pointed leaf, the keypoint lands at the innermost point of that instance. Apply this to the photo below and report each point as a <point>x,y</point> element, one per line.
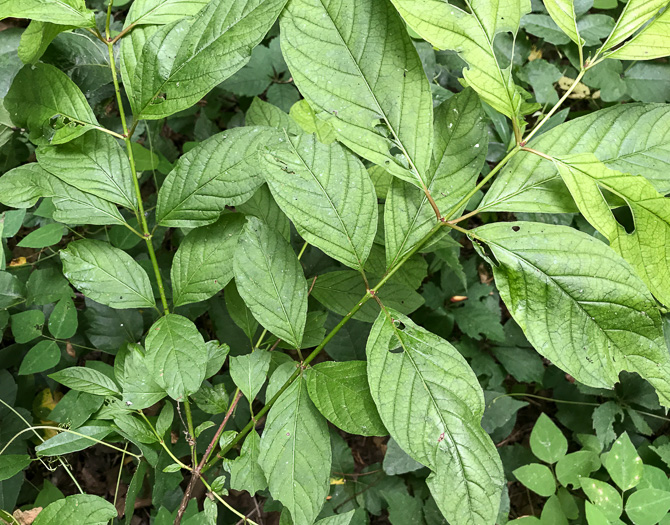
<point>162,11</point>
<point>376,93</point>
<point>651,42</point>
<point>68,12</point>
<point>461,140</point>
<point>245,472</point>
<point>176,356</point>
<point>327,194</point>
<point>295,454</point>
<point>203,264</point>
<point>563,13</point>
<point>249,372</point>
<point>629,138</point>
<point>431,403</point>
<point>44,99</point>
<point>578,302</point>
<point>471,35</point>
<point>107,275</point>
<point>139,387</point>
<point>341,393</point>
<point>271,281</point>
<point>86,380</point>
<point>222,171</point>
<point>184,60</point>
<point>634,15</point>
<point>646,248</point>
<point>93,163</point>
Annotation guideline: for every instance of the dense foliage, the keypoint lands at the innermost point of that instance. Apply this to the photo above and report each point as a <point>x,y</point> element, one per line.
<point>334,261</point>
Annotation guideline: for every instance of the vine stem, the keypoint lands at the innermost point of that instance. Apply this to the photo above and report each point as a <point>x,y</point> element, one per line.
<point>136,183</point>
<point>191,431</point>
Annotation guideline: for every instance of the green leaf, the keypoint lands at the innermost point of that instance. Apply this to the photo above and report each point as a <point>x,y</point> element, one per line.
<point>650,43</point>
<point>583,308</point>
<point>107,275</point>
<point>644,249</point>
<point>140,389</point>
<point>86,380</point>
<point>623,464</point>
<point>543,26</point>
<point>461,140</point>
<point>262,205</point>
<point>184,60</point>
<point>647,81</point>
<point>552,512</point>
<point>176,355</point>
<point>302,113</point>
<point>12,290</point>
<point>162,11</point>
<point>563,13</point>
<point>604,496</point>
<point>203,264</point>
<point>262,113</point>
<point>648,506</point>
<point>571,467</point>
<point>36,38</point>
<point>41,357</point>
<point>431,402</point>
<point>134,489</point>
<point>338,519</point>
<point>63,319</point>
<point>327,194</point>
<point>221,171</point>
<point>47,235</point>
<point>22,186</point>
<point>340,291</point>
<point>70,12</point>
<point>27,325</point>
<point>239,313</point>
<point>547,441</point>
<point>530,184</point>
<point>67,443</point>
<point>44,100</point>
<point>377,96</point>
<point>216,356</point>
<point>537,478</point>
<point>212,399</point>
<point>472,35</point>
<point>245,472</point>
<point>635,14</point>
<point>12,464</point>
<point>271,281</point>
<point>249,372</point>
<point>295,454</point>
<point>341,393</point>
<point>94,163</point>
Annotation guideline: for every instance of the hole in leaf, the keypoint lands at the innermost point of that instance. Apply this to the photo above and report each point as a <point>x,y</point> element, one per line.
<point>624,216</point>
<point>516,228</point>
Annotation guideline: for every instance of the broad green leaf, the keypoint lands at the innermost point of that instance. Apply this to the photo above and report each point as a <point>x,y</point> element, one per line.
<point>262,205</point>
<point>12,290</point>
<point>176,356</point>
<point>340,291</point>
<point>552,512</point>
<point>135,429</point>
<point>216,356</point>
<point>86,380</point>
<point>162,11</point>
<point>295,454</point>
<point>461,140</point>
<point>93,163</point>
<point>212,399</point>
<point>472,35</point>
<point>431,403</point>
<point>63,319</point>
<point>245,472</point>
<point>140,389</point>
<point>27,325</point>
<point>44,100</point>
<point>184,60</point>
<point>628,138</point>
<point>302,113</point>
<point>23,186</point>
<point>80,509</point>
<point>397,461</point>
<point>239,313</point>
<point>262,113</point>
<point>582,308</point>
<point>653,41</point>
<point>341,393</point>
<point>338,519</point>
<point>376,95</point>
<point>47,235</point>
<point>221,171</point>
<point>595,516</point>
<point>165,418</point>
<point>623,463</point>
<point>537,478</point>
<point>41,357</point>
<point>67,443</point>
<point>634,15</point>
<point>107,275</point>
<point>645,248</point>
<point>203,264</point>
<point>271,281</point>
<point>36,38</point>
<point>576,465</point>
<point>563,13</point>
<point>70,12</point>
<point>327,194</point>
<point>249,372</point>
<point>12,464</point>
<point>604,496</point>
<point>648,506</point>
<point>547,441</point>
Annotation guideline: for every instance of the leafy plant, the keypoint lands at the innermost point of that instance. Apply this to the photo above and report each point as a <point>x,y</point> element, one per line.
<point>176,243</point>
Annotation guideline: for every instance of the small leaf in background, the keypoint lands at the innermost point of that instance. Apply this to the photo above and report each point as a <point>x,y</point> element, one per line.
<point>571,467</point>
<point>623,463</point>
<point>552,512</point>
<point>11,464</point>
<point>604,417</point>
<point>240,314</point>
<point>537,478</point>
<point>43,356</point>
<point>176,355</point>
<point>202,427</point>
<point>249,372</point>
<point>245,471</point>
<point>27,325</point>
<point>397,461</point>
<point>212,399</point>
<point>63,319</point>
<point>42,237</point>
<point>547,441</point>
<point>165,418</point>
<point>604,496</point>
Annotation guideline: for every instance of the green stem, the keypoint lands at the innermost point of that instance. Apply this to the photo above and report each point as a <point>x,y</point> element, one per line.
<point>136,183</point>
<point>191,431</point>
<point>226,504</point>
